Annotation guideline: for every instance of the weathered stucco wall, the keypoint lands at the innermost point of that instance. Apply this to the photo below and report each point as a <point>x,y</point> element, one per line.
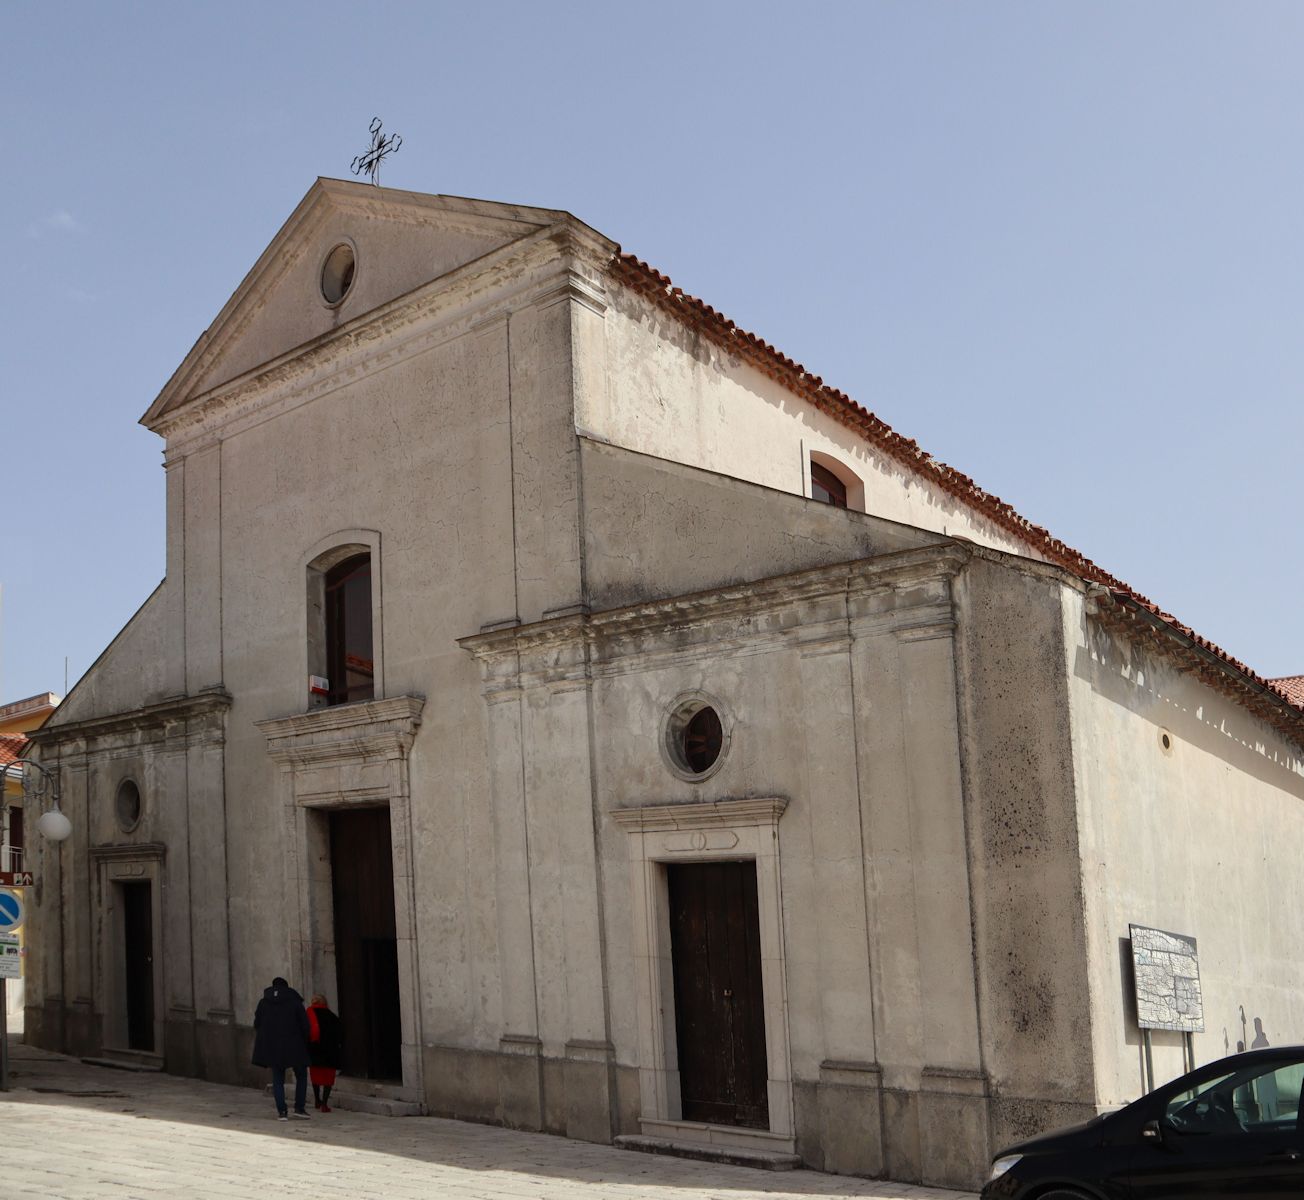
<point>654,528</point>
<point>401,243</point>
<point>1200,838</point>
<point>454,457</point>
<point>1023,846</point>
<point>673,394</point>
<point>837,690</point>
<point>423,453</point>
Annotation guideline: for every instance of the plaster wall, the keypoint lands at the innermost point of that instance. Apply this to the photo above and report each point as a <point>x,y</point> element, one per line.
<point>421,453</point>
<point>673,394</point>
<point>655,528</point>
<point>453,456</point>
<point>1022,827</point>
<point>845,712</point>
<point>397,248</point>
<point>1200,838</point>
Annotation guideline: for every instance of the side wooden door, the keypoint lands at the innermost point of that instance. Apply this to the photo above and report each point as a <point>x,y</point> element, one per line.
<point>138,944</point>
<point>719,1002</point>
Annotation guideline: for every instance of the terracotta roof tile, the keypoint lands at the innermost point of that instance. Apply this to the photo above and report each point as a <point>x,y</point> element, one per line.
<point>1292,687</point>
<point>12,747</point>
<point>651,283</point>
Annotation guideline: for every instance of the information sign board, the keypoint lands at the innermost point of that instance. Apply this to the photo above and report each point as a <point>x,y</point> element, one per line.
<point>11,962</point>
<point>16,879</point>
<point>1166,974</point>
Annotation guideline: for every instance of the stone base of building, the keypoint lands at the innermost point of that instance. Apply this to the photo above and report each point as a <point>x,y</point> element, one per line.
<point>846,1122</point>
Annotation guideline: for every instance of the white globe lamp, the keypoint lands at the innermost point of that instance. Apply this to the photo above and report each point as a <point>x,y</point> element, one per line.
<point>54,826</point>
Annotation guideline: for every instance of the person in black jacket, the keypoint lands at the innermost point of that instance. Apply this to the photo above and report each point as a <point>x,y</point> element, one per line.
<point>281,1042</point>
<point>325,1047</point>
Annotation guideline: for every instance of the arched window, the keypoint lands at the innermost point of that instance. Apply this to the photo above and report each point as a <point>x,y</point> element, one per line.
<point>833,482</point>
<point>826,487</point>
<point>350,665</point>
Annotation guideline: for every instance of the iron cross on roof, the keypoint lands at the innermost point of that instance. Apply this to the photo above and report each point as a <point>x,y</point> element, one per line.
<point>369,163</point>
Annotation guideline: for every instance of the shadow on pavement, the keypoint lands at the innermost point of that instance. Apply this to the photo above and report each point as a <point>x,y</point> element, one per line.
<point>41,1079</point>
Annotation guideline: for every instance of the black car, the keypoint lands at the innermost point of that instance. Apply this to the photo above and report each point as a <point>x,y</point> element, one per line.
<point>1229,1129</point>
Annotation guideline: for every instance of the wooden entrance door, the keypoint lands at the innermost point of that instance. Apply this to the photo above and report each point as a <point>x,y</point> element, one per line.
<point>138,946</point>
<point>366,950</point>
<point>715,945</point>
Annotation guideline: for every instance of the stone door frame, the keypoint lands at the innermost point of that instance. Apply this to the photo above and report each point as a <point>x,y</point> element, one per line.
<point>725,830</point>
<point>141,863</point>
<point>350,756</point>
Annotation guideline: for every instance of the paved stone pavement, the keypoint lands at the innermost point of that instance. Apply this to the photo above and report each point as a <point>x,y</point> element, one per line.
<point>78,1132</point>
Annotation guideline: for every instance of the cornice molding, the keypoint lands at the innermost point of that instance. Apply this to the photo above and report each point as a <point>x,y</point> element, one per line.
<point>715,814</point>
<point>129,852</point>
<point>476,218</point>
<point>344,732</point>
<point>398,329</point>
<point>1129,619</point>
<point>163,716</point>
<point>599,632</point>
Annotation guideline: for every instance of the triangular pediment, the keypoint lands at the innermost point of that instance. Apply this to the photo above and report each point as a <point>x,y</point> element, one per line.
<point>399,241</point>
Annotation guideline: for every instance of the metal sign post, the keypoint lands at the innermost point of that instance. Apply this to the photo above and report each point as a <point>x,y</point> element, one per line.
<point>1166,983</point>
<point>11,967</point>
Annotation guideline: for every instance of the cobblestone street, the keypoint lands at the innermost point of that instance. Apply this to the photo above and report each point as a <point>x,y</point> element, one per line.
<point>80,1132</point>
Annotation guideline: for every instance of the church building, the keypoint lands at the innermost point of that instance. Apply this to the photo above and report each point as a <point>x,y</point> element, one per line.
<point>634,737</point>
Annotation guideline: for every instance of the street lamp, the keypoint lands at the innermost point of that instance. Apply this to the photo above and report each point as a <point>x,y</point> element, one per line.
<point>54,827</point>
<point>52,824</point>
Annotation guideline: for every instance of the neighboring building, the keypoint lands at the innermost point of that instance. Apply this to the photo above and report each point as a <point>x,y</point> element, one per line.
<point>17,719</point>
<point>634,736</point>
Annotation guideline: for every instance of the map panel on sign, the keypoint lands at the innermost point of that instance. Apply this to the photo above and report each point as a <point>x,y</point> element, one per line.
<point>1166,974</point>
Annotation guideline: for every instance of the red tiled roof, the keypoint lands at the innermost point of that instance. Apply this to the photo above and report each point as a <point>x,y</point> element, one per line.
<point>1292,687</point>
<point>699,316</point>
<point>12,747</point>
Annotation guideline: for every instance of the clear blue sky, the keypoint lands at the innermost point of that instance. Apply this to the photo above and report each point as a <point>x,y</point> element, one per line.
<point>1058,244</point>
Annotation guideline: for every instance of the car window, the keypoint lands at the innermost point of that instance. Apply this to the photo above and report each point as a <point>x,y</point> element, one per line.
<point>1271,1100</point>
<point>1254,1099</point>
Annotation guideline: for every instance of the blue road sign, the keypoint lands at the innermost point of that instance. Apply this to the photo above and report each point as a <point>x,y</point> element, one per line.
<point>11,911</point>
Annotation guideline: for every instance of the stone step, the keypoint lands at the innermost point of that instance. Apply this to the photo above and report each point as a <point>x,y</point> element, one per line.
<point>377,1106</point>
<point>127,1060</point>
<point>737,1156</point>
<point>380,1106</point>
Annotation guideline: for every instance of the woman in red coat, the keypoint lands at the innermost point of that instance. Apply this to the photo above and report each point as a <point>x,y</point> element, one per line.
<point>325,1041</point>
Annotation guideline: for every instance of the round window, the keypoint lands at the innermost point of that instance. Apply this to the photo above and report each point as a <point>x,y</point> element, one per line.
<point>128,805</point>
<point>337,273</point>
<point>694,738</point>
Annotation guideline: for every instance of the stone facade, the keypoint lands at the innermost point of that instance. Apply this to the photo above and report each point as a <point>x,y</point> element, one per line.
<point>938,754</point>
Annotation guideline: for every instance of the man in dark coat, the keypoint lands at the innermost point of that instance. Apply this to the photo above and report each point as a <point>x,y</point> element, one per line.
<point>281,1041</point>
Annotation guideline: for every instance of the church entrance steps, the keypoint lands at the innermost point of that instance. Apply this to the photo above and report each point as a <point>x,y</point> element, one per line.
<point>363,1095</point>
<point>378,1106</point>
<point>127,1060</point>
<point>735,1145</point>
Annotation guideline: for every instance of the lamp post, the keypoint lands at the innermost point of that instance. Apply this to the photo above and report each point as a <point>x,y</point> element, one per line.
<point>52,825</point>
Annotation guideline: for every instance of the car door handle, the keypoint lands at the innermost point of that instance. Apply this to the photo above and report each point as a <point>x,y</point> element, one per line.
<point>1284,1156</point>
